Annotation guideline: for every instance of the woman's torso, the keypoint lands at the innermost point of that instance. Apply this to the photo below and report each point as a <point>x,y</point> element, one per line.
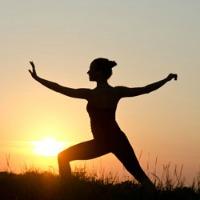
<point>101,108</point>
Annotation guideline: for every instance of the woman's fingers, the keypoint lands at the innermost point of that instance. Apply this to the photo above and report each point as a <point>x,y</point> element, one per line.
<point>32,74</point>
<point>33,66</point>
<point>32,63</point>
<point>175,77</point>
<point>172,76</point>
<point>33,71</point>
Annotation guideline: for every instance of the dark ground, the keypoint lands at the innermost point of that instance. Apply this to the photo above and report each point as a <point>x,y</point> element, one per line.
<point>47,186</point>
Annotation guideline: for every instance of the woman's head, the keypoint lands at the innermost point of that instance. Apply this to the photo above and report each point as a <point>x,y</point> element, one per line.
<point>101,69</point>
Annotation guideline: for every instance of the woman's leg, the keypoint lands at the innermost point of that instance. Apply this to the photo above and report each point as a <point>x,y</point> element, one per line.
<point>124,152</point>
<point>83,151</point>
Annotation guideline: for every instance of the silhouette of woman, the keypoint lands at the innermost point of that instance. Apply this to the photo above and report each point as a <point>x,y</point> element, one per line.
<point>101,107</point>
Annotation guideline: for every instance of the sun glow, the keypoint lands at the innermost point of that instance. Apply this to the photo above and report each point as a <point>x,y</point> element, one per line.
<point>48,147</point>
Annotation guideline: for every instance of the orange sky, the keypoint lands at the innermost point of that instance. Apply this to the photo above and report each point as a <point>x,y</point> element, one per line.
<point>147,43</point>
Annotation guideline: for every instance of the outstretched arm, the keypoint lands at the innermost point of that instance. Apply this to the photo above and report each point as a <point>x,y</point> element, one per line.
<point>76,93</point>
<point>130,92</point>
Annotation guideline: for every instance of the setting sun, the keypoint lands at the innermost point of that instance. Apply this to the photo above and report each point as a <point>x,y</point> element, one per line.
<point>48,147</point>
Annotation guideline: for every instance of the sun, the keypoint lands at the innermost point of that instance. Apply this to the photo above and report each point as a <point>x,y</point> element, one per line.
<point>48,147</point>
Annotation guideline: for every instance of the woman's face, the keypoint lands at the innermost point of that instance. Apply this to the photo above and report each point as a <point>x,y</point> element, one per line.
<point>94,74</point>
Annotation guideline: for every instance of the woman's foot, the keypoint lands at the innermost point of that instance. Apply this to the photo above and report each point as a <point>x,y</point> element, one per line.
<point>149,191</point>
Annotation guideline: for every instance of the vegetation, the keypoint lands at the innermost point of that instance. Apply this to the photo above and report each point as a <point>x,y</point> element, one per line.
<point>36,185</point>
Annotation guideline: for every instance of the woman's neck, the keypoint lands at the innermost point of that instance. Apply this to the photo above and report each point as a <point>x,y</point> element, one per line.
<point>102,84</point>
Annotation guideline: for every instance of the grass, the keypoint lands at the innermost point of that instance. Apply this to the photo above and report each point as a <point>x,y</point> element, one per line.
<point>33,184</point>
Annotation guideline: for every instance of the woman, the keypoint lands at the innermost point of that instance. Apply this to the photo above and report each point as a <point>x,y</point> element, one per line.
<point>101,107</point>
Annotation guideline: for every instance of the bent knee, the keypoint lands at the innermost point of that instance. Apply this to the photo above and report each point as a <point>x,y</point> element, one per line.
<point>63,156</point>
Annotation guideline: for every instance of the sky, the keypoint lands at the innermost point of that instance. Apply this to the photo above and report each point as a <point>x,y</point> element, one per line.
<point>147,38</point>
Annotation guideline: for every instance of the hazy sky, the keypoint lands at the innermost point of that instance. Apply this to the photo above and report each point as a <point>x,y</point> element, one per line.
<point>147,38</point>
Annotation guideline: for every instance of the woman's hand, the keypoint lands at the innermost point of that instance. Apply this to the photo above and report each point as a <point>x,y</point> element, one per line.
<point>172,76</point>
<point>33,72</point>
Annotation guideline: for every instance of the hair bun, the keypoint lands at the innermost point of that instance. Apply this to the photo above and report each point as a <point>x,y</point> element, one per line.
<point>112,63</point>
